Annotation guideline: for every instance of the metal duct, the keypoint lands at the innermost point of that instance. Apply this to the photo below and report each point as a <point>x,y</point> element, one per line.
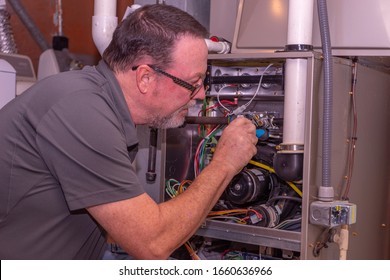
<point>7,42</point>
<point>30,25</point>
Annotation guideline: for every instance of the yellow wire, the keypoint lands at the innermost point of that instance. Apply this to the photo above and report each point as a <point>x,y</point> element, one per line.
<point>191,251</point>
<point>227,212</point>
<point>182,185</point>
<point>270,169</point>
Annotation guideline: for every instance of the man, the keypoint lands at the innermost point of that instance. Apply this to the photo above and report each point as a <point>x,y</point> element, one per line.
<point>67,145</point>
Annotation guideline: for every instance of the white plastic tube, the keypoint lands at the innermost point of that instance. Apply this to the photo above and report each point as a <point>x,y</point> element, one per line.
<point>104,8</point>
<point>342,239</point>
<point>300,22</point>
<point>217,47</point>
<point>300,30</point>
<point>104,23</point>
<point>294,98</point>
<point>288,162</point>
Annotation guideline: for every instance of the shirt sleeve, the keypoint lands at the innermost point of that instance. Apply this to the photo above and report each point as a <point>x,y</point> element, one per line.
<point>83,144</point>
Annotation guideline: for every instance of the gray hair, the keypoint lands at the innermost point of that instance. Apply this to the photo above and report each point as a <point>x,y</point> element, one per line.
<point>150,31</point>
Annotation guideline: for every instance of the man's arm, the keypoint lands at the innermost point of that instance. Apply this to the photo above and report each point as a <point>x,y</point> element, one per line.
<point>147,230</point>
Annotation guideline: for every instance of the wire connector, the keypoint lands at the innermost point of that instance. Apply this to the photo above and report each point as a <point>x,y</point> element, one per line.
<point>239,110</point>
<point>325,193</point>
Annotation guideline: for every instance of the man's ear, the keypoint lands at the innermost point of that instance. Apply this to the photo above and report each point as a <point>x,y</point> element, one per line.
<point>145,78</point>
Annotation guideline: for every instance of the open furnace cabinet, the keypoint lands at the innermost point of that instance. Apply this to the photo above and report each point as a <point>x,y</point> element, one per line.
<point>262,216</point>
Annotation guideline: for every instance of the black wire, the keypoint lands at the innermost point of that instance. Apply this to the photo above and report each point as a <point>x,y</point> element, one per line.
<point>280,197</point>
<point>351,153</point>
<point>293,226</point>
<point>322,242</point>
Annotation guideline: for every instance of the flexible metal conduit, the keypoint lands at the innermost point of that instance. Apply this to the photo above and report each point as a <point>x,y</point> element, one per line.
<point>7,41</point>
<point>30,25</point>
<point>328,93</point>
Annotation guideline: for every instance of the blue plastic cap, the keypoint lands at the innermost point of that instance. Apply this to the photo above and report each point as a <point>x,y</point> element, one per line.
<point>260,132</point>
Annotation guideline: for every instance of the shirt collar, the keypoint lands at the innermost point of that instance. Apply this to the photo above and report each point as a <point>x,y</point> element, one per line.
<point>118,98</point>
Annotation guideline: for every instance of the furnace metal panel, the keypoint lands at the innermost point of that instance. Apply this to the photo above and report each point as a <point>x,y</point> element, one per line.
<point>370,184</point>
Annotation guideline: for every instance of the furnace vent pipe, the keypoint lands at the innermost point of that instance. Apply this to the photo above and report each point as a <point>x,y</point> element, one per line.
<point>104,22</point>
<point>300,25</point>
<point>288,162</point>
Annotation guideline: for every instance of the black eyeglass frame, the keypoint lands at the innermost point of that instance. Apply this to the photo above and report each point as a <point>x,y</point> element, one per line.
<point>194,89</point>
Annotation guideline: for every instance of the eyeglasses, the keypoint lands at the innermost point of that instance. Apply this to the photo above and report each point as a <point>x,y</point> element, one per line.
<point>194,89</point>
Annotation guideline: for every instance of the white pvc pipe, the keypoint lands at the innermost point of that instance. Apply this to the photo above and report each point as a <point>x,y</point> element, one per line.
<point>217,47</point>
<point>342,239</point>
<point>104,23</point>
<point>104,8</point>
<point>300,22</point>
<point>294,100</point>
<point>300,29</point>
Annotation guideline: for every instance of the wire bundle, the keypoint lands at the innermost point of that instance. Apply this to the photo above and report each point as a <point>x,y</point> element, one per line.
<point>241,216</point>
<point>242,108</point>
<point>174,188</point>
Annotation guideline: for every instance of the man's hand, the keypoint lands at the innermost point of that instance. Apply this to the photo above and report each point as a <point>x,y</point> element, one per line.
<point>237,144</point>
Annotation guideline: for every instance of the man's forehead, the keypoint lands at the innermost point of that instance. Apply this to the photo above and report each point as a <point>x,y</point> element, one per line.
<point>191,51</point>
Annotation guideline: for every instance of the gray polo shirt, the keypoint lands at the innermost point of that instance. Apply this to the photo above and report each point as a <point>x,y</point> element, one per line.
<point>67,143</point>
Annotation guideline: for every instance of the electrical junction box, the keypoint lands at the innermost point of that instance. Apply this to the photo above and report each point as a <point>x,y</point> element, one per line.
<point>333,213</point>
<point>7,82</point>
